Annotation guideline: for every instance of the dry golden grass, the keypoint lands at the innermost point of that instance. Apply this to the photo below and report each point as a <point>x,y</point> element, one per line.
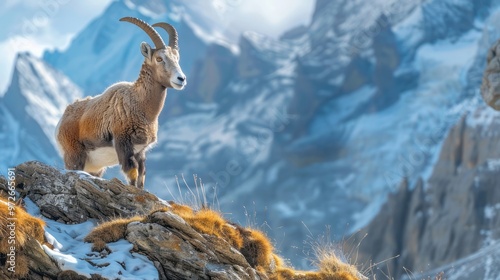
<point>330,264</point>
<point>330,267</point>
<point>253,244</point>
<point>26,227</point>
<point>211,222</point>
<point>182,210</point>
<point>257,249</point>
<point>109,232</point>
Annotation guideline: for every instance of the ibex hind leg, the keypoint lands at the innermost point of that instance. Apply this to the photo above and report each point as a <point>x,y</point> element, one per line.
<point>75,160</point>
<point>125,152</point>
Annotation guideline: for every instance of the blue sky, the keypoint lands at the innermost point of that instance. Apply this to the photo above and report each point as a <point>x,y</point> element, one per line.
<point>34,26</point>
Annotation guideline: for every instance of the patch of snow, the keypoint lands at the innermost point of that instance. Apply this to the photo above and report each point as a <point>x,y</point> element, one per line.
<point>342,107</point>
<point>344,183</point>
<point>450,53</point>
<point>491,210</point>
<point>409,31</point>
<point>52,241</point>
<point>482,117</point>
<point>143,10</point>
<point>493,164</point>
<point>284,209</point>
<point>72,253</point>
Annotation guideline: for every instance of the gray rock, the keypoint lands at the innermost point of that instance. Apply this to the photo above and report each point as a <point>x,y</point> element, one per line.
<point>179,252</point>
<point>490,89</point>
<point>74,197</point>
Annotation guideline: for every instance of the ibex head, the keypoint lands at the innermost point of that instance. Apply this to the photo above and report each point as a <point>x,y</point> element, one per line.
<point>163,59</point>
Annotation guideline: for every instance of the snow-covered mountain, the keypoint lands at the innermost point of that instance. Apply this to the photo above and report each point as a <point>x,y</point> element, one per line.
<point>310,130</point>
<point>106,51</point>
<point>30,110</point>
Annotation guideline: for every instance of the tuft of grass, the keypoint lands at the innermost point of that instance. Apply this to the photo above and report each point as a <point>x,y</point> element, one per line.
<point>182,210</point>
<point>330,267</point>
<point>329,264</point>
<point>210,222</point>
<point>257,249</point>
<point>110,231</point>
<point>26,227</point>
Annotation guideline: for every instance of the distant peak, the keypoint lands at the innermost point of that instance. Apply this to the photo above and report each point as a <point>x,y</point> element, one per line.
<point>24,55</point>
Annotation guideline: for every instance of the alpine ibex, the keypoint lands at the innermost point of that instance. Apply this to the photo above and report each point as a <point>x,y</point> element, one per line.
<point>119,125</point>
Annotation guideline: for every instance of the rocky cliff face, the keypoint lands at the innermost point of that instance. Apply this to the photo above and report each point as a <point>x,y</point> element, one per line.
<point>151,239</point>
<point>454,214</point>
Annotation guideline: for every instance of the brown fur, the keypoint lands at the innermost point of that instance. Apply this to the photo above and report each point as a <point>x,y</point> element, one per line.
<point>123,120</point>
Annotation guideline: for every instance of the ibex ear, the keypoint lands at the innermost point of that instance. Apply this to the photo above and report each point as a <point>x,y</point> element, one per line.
<point>146,50</point>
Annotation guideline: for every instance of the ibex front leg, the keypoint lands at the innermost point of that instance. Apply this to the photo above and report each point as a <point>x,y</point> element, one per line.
<point>125,151</point>
<point>141,161</point>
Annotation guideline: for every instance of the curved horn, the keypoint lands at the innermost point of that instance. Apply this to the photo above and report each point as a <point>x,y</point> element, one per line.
<point>155,37</point>
<point>173,38</point>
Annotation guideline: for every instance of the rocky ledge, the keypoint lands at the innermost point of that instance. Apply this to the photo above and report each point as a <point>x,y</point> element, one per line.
<point>163,240</point>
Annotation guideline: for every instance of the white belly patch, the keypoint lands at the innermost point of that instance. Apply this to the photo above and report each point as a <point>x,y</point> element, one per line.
<point>104,157</point>
<point>100,158</point>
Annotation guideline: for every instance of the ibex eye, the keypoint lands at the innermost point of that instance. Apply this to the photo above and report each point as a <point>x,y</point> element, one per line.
<point>159,59</point>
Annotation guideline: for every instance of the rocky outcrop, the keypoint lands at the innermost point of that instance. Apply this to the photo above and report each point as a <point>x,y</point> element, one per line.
<point>490,89</point>
<point>176,249</point>
<point>74,197</point>
<point>180,252</point>
<point>181,243</point>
